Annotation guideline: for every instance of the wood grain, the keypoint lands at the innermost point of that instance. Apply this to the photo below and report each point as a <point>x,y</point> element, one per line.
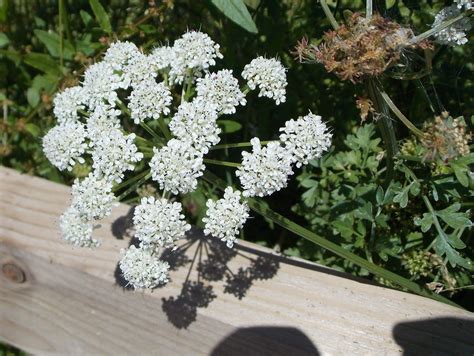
<point>252,302</point>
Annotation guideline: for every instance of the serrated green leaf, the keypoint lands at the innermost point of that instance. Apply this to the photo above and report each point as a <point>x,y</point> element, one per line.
<point>101,16</point>
<point>461,171</point>
<point>401,197</point>
<point>442,247</point>
<point>43,62</point>
<point>425,222</point>
<point>229,126</point>
<point>237,12</point>
<point>86,18</point>
<point>453,218</point>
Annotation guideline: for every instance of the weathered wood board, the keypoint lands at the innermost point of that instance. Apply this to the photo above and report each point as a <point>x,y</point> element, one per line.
<point>55,299</point>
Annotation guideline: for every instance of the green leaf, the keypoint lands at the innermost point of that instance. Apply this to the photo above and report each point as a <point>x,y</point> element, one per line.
<point>461,171</point>
<point>34,130</point>
<point>237,12</point>
<point>4,40</point>
<point>101,16</point>
<point>43,62</point>
<point>33,96</point>
<point>402,197</point>
<point>229,126</point>
<point>389,3</point>
<point>86,18</point>
<point>442,247</point>
<point>425,222</point>
<point>453,218</point>
<point>51,41</point>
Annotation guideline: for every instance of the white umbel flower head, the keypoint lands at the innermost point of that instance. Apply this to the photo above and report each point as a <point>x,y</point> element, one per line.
<point>143,270</point>
<point>75,231</point>
<point>221,89</point>
<point>177,166</point>
<point>92,198</point>
<point>193,53</point>
<point>268,74</point>
<point>306,138</point>
<point>467,4</point>
<point>159,222</point>
<point>149,100</point>
<point>113,154</point>
<point>68,102</point>
<point>225,217</point>
<point>101,82</point>
<point>120,54</point>
<point>138,70</point>
<point>161,58</point>
<point>265,170</point>
<point>65,144</point>
<point>454,34</point>
<point>196,122</point>
<point>101,121</point>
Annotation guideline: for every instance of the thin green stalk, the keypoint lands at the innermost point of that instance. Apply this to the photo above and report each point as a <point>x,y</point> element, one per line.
<point>134,187</point>
<point>151,131</point>
<point>400,115</point>
<point>385,126</point>
<point>61,35</point>
<point>438,28</point>
<point>221,163</point>
<point>269,214</point>
<point>130,181</point>
<point>329,14</point>
<point>164,129</point>
<point>368,9</point>
<point>237,145</point>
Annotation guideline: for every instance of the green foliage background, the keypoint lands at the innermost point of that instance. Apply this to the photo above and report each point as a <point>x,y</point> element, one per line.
<point>45,45</point>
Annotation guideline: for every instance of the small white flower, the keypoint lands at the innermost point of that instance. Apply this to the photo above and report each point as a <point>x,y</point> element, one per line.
<point>92,198</point>
<point>101,82</point>
<point>221,89</point>
<point>138,70</point>
<point>101,121</point>
<point>454,34</point>
<point>193,53</point>
<point>177,166</point>
<point>143,270</point>
<point>65,144</point>
<point>306,138</point>
<point>265,170</point>
<point>113,154</point>
<point>467,4</point>
<point>75,231</point>
<point>225,217</point>
<point>196,122</point>
<point>120,54</point>
<point>159,222</point>
<point>149,100</point>
<point>68,102</point>
<point>269,76</point>
<point>161,58</point>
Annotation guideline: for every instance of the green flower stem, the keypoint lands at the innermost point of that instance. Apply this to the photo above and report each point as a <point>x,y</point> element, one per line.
<point>236,145</point>
<point>151,132</point>
<point>385,126</point>
<point>164,129</point>
<point>368,9</point>
<point>400,115</point>
<point>130,181</point>
<point>61,34</point>
<point>269,214</point>
<point>329,14</point>
<point>438,28</point>
<point>221,163</point>
<point>134,186</point>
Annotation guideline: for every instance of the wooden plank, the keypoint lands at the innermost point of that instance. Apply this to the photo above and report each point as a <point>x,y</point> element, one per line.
<point>246,300</point>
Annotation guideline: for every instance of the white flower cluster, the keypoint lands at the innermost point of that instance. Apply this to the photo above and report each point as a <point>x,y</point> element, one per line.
<point>222,90</point>
<point>65,144</point>
<point>159,222</point>
<point>196,122</point>
<point>454,34</point>
<point>306,138</point>
<point>75,231</point>
<point>93,129</point>
<point>265,170</point>
<point>177,166</point>
<point>269,75</point>
<point>225,217</point>
<point>467,4</point>
<point>149,100</point>
<point>142,269</point>
<point>92,198</point>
